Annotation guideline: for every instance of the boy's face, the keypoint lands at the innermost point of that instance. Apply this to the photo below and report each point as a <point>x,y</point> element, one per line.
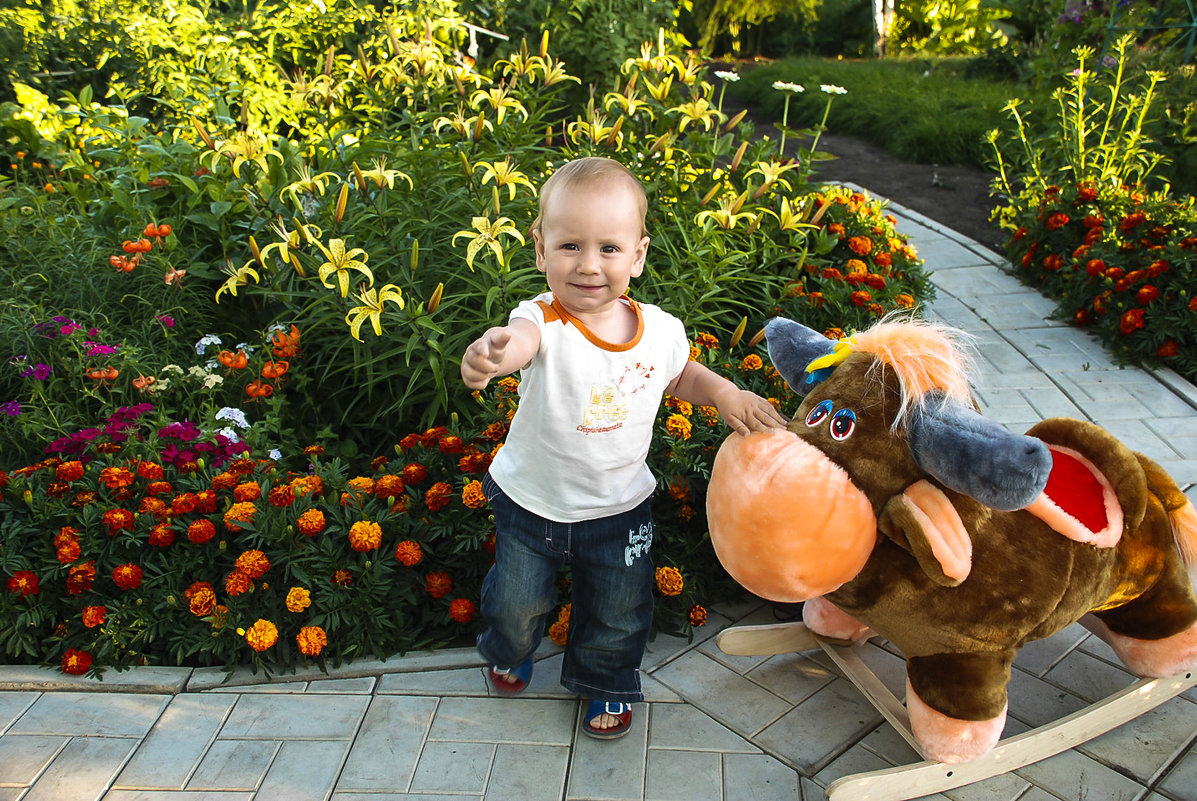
<point>590,246</point>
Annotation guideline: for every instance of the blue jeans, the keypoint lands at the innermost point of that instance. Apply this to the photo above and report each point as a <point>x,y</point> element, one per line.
<point>611,594</point>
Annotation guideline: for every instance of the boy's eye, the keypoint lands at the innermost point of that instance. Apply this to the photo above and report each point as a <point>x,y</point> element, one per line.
<point>610,249</point>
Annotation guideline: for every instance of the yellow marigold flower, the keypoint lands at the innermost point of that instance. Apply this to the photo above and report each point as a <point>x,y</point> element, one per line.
<point>409,553</point>
<point>236,583</point>
<point>202,602</point>
<point>710,414</point>
<point>509,384</point>
<point>311,522</point>
<point>365,536</point>
<point>473,496</point>
<point>856,267</point>
<point>298,599</point>
<point>905,301</point>
<point>698,615</point>
<point>261,635</point>
<point>253,563</point>
<point>311,640</point>
<point>363,484</point>
<point>683,407</point>
<point>559,631</point>
<point>220,616</point>
<point>709,341</point>
<point>694,353</point>
<point>669,581</point>
<point>860,245</point>
<point>751,362</point>
<point>679,489</point>
<point>247,491</point>
<point>678,426</point>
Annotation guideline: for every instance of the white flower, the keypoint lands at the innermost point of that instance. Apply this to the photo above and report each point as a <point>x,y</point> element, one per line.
<point>233,415</point>
<point>275,454</point>
<point>789,87</point>
<point>229,434</point>
<point>245,346</point>
<point>205,341</point>
<point>832,89</point>
<point>727,76</point>
<point>172,368</point>
<point>161,385</point>
<point>213,380</point>
<point>197,372</point>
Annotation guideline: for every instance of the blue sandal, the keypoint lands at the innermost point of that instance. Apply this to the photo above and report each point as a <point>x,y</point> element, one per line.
<point>616,709</point>
<point>522,673</point>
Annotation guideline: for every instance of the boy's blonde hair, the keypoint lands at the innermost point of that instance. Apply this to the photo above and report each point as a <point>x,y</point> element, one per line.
<point>588,171</point>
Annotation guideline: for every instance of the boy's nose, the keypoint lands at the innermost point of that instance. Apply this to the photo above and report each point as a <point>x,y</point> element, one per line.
<point>589,263</point>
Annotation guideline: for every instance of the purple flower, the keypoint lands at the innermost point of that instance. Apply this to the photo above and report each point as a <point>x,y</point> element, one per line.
<point>96,349</point>
<point>40,373</point>
<point>184,430</point>
<point>12,408</point>
<point>166,320</point>
<point>70,328</point>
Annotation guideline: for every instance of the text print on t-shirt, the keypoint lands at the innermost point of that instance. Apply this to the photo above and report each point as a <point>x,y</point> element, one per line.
<point>639,542</point>
<point>605,411</point>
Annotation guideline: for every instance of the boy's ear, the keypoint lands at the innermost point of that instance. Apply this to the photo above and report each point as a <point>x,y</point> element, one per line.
<point>538,240</point>
<point>641,256</point>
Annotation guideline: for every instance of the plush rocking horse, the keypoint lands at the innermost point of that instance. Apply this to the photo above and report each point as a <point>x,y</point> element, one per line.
<point>892,507</point>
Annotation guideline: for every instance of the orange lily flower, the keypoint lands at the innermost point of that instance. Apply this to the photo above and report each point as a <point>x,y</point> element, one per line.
<point>286,346</point>
<point>175,275</point>
<point>233,361</point>
<point>275,370</point>
<point>142,382</point>
<point>103,375</point>
<point>256,389</point>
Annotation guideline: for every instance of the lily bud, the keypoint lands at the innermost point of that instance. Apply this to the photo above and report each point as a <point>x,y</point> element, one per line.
<point>494,198</point>
<point>734,121</point>
<point>203,133</point>
<point>739,204</point>
<point>714,190</point>
<point>435,300</point>
<point>465,163</point>
<point>613,137</point>
<point>359,178</point>
<point>757,338</point>
<point>328,60</point>
<point>544,44</point>
<point>739,155</point>
<point>739,332</point>
<point>342,199</point>
<point>548,136</point>
<point>415,255</point>
<point>479,126</point>
<point>253,246</point>
<point>298,267</point>
<point>391,37</point>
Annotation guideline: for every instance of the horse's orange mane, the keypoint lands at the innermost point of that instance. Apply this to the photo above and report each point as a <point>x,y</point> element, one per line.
<point>925,356</point>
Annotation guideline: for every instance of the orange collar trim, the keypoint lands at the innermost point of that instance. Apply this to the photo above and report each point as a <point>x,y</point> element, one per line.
<point>556,311</point>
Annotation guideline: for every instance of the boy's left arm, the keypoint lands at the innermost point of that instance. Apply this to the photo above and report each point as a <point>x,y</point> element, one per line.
<point>744,411</point>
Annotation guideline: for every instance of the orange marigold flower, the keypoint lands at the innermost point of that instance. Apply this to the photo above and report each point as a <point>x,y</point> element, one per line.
<point>904,301</point>
<point>183,504</point>
<point>388,486</point>
<point>415,473</point>
<point>68,551</point>
<point>127,576</point>
<point>342,578</point>
<point>298,599</point>
<point>118,520</point>
<point>861,297</point>
<point>239,513</point>
<point>679,489</point>
<point>116,477</point>
<point>669,580</point>
<point>311,522</point>
<point>202,602</point>
<point>1168,349</point>
<point>438,584</point>
<point>462,610</point>
<point>311,640</point>
<point>224,481</point>
<point>261,635</point>
<point>365,536</point>
<point>281,495</point>
<point>24,583</point>
<point>559,631</point>
<point>473,496</point>
<point>247,491</point>
<point>94,616</point>
<point>361,484</point>
<point>409,553</point>
<point>159,488</point>
<point>154,506</point>
<point>195,587</point>
<point>860,245</point>
<point>678,426</point>
<point>80,578</point>
<point>509,384</point>
<point>856,267</point>
<point>495,431</point>
<point>698,615</point>
<point>751,362</point>
<point>308,485</point>
<point>252,563</point>
<point>200,531</point>
<point>162,536</point>
<point>236,583</point>
<point>76,662</point>
<point>411,441</point>
<point>150,471</point>
<point>474,460</point>
<point>69,471</point>
<point>438,495</point>
<point>708,341</point>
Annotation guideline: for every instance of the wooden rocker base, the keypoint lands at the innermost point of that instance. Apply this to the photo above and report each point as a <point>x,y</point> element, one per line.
<point>926,778</point>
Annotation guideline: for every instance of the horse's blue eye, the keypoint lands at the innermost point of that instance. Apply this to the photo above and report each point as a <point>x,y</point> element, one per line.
<point>843,423</point>
<point>816,415</point>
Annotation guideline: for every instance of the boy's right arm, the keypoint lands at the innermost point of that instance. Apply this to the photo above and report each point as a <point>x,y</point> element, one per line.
<point>501,350</point>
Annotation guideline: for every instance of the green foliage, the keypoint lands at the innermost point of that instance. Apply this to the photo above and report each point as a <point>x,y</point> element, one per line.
<point>947,27</point>
<point>739,27</point>
<point>1118,256</point>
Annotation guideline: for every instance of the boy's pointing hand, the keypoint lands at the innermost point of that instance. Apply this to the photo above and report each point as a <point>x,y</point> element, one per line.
<point>483,357</point>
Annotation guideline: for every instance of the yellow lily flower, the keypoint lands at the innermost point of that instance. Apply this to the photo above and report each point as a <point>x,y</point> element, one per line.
<point>373,304</point>
<point>249,147</point>
<point>504,173</point>
<point>728,213</point>
<point>381,176</point>
<point>787,220</point>
<point>520,65</point>
<point>554,72</point>
<point>486,234</point>
<point>629,104</point>
<point>699,112</point>
<point>341,262</point>
<point>237,278</point>
<point>499,100</point>
<point>424,55</point>
<point>463,74</point>
<point>457,122</point>
<point>307,184</point>
<point>771,171</point>
<point>594,130</point>
<point>661,90</point>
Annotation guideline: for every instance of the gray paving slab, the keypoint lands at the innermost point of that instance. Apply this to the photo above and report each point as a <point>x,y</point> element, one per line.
<point>294,717</point>
<point>82,770</point>
<point>759,778</point>
<point>97,714</point>
<point>683,776</point>
<point>304,770</point>
<point>610,770</point>
<point>388,744</point>
<point>528,772</point>
<point>177,741</point>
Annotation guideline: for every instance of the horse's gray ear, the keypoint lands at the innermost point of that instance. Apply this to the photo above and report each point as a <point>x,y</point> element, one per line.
<point>792,346</point>
<point>974,455</point>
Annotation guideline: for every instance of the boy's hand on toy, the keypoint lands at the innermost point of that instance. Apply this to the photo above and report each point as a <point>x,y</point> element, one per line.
<point>746,412</point>
<point>483,358</point>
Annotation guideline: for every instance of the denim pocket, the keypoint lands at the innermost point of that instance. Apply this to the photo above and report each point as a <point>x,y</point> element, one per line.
<point>490,489</point>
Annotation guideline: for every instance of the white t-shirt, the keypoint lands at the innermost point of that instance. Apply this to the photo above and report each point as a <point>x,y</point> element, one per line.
<point>579,440</point>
